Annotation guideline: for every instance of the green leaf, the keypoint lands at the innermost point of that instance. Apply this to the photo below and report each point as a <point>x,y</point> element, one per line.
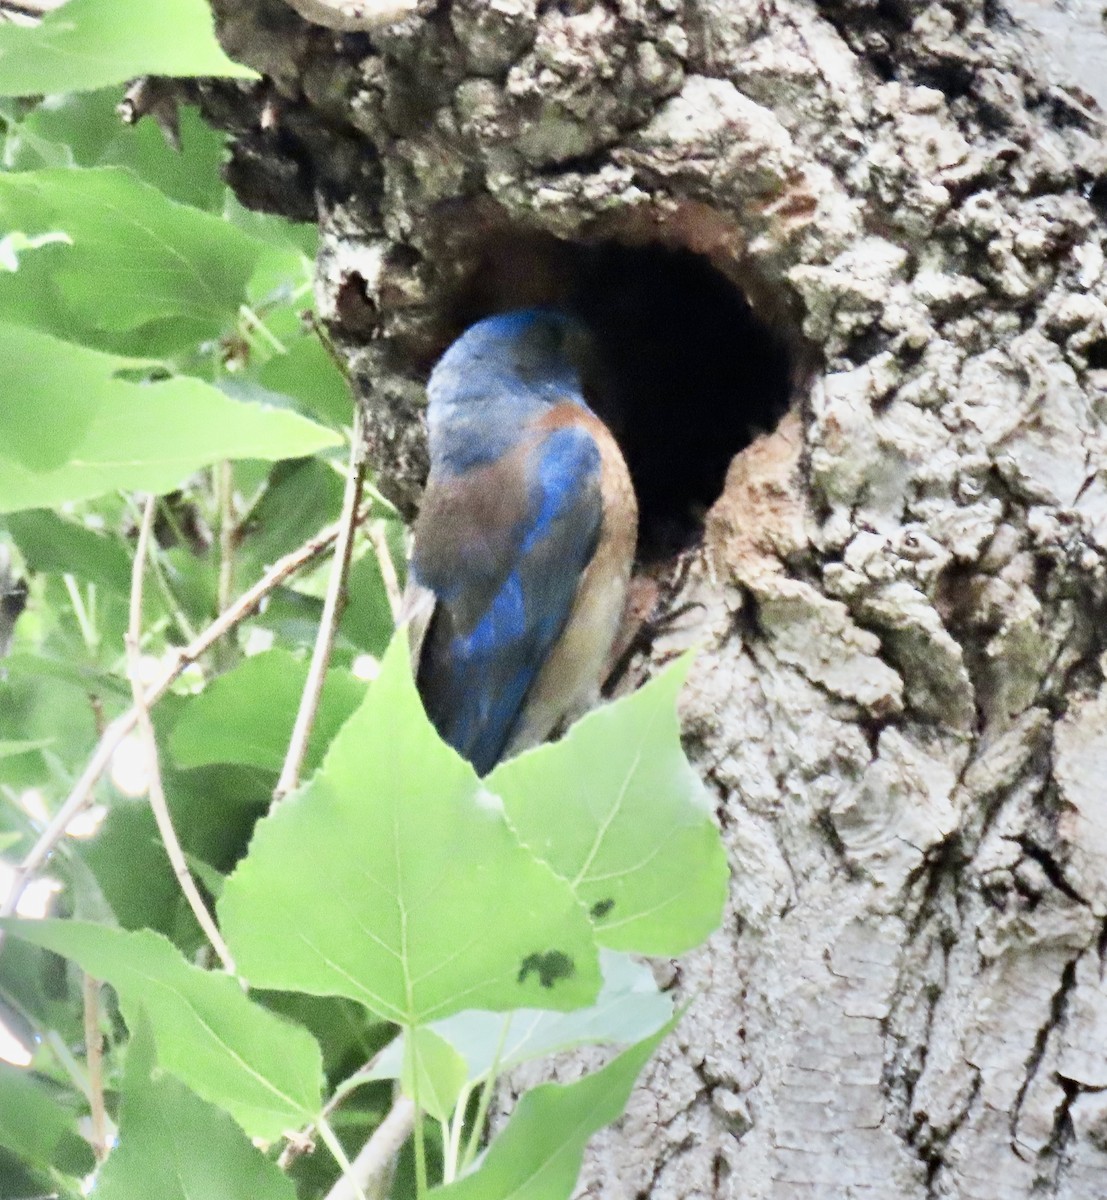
<point>246,715</point>
<point>46,701</point>
<point>13,749</point>
<point>300,497</point>
<point>628,1009</point>
<point>538,1155</point>
<point>51,543</point>
<point>367,620</point>
<point>616,808</point>
<point>14,244</point>
<point>308,372</point>
<point>433,1072</point>
<point>264,1071</point>
<point>34,668</point>
<point>33,1123</point>
<point>393,878</point>
<point>89,43</point>
<point>136,256</point>
<point>174,1146</point>
<point>106,433</point>
<point>20,1180</point>
<point>84,130</point>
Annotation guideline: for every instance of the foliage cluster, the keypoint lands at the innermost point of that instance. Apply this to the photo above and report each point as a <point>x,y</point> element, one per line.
<point>399,928</point>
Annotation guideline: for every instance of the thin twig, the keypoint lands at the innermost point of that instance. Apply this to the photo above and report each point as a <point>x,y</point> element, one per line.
<point>369,1171</point>
<point>302,1142</point>
<point>375,533</point>
<point>251,320</point>
<point>81,795</point>
<point>228,536</point>
<point>333,603</point>
<point>171,602</point>
<point>94,1060</point>
<point>146,731</point>
<point>77,1076</point>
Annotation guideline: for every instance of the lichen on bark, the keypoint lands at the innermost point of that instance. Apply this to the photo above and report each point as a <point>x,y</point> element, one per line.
<point>901,588</point>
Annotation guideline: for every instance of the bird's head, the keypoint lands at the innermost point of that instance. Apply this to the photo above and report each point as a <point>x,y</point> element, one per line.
<point>501,374</point>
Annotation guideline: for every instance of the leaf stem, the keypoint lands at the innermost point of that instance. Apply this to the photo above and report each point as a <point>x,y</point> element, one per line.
<point>85,620</point>
<point>453,1147</point>
<point>335,1147</point>
<point>485,1098</point>
<point>370,1169</point>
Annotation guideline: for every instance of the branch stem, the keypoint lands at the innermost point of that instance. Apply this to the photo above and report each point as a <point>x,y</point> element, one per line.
<point>333,603</point>
<point>81,794</point>
<point>158,803</point>
<point>94,1061</point>
<point>370,1169</point>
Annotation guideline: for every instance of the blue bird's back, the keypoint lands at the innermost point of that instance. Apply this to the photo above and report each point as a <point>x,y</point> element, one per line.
<point>524,543</point>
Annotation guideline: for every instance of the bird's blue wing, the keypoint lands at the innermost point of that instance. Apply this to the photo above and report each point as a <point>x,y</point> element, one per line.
<point>503,549</point>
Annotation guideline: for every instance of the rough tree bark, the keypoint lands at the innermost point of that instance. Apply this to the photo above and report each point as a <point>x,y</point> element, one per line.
<point>901,705</point>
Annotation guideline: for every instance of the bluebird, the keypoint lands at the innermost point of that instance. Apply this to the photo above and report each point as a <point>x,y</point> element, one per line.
<point>524,543</point>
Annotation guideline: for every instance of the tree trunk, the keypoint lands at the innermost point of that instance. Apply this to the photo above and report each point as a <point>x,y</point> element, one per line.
<point>900,701</point>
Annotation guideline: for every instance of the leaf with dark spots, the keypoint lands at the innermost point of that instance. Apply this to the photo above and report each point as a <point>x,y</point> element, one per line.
<point>550,967</point>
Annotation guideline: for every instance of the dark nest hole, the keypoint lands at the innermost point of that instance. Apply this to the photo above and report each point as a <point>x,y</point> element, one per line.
<point>689,374</point>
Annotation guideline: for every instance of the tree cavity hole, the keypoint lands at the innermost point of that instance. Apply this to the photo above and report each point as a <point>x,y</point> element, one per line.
<point>689,373</point>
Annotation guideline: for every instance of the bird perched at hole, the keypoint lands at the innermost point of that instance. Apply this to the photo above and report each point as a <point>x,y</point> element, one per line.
<point>525,539</point>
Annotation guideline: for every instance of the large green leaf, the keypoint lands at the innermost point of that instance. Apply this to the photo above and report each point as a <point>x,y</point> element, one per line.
<point>51,543</point>
<point>538,1155</point>
<point>71,429</point>
<point>136,256</point>
<point>393,878</point>
<point>266,1072</point>
<point>34,1123</point>
<point>629,1008</point>
<point>89,43</point>
<point>83,130</point>
<point>246,715</point>
<point>616,808</point>
<point>174,1146</point>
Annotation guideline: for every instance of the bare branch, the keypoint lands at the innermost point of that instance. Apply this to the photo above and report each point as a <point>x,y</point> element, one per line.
<point>94,1058</point>
<point>228,536</point>
<point>369,1171</point>
<point>146,731</point>
<point>333,603</point>
<point>81,795</point>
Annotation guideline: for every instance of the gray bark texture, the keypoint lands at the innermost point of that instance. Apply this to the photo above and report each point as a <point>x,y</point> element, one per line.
<point>900,594</point>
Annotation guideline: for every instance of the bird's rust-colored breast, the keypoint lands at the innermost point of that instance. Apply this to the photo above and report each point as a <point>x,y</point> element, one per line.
<point>569,680</point>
